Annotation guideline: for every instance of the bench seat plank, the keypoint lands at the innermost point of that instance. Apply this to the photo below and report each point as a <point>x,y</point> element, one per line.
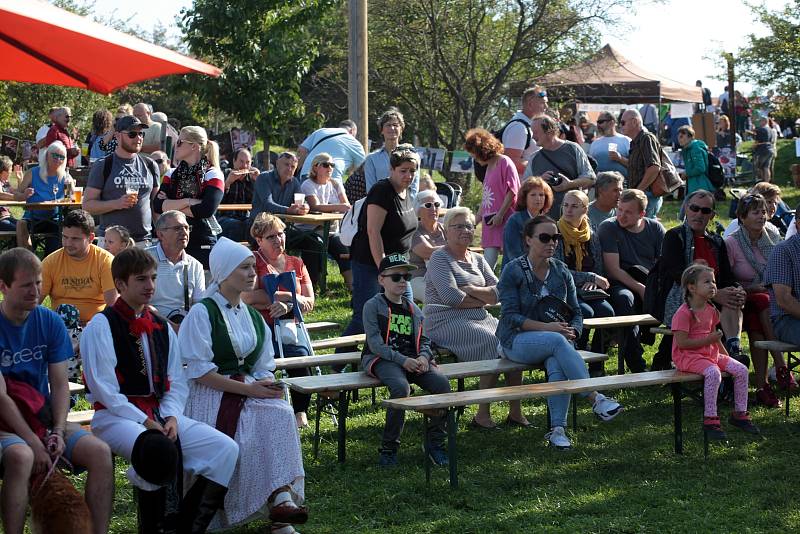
<point>620,321</point>
<point>75,389</point>
<point>322,326</point>
<point>343,358</point>
<point>778,346</point>
<point>81,417</point>
<point>360,380</point>
<point>527,391</point>
<point>338,342</point>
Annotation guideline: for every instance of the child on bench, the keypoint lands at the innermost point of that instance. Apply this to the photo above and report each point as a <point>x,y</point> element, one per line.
<point>396,352</point>
<point>697,348</point>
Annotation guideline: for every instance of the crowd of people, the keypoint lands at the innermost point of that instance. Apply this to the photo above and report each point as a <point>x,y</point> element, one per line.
<point>181,308</point>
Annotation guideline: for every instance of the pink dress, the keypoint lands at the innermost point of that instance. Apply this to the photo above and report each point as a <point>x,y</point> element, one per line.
<point>699,326</point>
<point>497,183</point>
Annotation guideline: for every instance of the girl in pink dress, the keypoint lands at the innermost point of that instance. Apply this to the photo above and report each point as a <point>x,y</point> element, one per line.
<point>697,348</point>
<point>500,186</point>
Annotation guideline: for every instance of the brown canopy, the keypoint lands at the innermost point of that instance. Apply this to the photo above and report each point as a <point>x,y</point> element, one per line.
<point>608,77</point>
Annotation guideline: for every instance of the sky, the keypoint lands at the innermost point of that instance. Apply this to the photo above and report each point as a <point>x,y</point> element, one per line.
<point>674,38</point>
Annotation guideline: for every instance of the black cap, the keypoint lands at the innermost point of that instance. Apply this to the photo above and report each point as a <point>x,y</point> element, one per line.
<point>395,260</point>
<point>126,122</point>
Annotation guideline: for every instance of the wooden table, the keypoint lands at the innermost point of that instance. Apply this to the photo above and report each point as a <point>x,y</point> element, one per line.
<point>47,205</point>
<point>313,219</point>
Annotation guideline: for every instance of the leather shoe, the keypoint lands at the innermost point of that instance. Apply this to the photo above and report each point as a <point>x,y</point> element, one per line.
<point>286,513</point>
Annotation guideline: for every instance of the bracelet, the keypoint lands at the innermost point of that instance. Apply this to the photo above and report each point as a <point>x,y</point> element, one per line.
<point>58,430</point>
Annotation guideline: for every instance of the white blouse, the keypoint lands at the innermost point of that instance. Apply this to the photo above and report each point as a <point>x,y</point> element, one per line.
<point>195,337</point>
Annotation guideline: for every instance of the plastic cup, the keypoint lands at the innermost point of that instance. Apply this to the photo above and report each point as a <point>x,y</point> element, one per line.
<point>299,199</point>
<point>612,147</point>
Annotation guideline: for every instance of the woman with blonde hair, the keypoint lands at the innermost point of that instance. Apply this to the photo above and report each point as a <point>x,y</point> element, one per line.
<point>195,187</point>
<point>43,183</point>
<point>579,249</point>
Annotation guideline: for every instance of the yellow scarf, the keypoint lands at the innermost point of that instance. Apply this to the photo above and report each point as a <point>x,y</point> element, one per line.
<point>574,238</point>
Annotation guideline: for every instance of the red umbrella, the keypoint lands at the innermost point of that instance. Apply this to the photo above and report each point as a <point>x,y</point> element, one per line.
<point>40,43</point>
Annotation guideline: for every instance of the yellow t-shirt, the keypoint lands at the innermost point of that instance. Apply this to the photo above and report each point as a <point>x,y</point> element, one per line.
<point>78,282</point>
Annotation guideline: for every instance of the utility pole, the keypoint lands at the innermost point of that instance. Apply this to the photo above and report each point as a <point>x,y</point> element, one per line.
<point>357,98</point>
<point>731,108</point>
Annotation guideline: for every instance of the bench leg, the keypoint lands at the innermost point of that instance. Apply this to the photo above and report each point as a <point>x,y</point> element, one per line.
<point>425,447</point>
<point>343,399</point>
<point>373,396</point>
<point>677,408</point>
<point>451,446</point>
<point>317,416</point>
<point>791,362</point>
<point>460,410</point>
<point>574,413</point>
<point>705,444</point>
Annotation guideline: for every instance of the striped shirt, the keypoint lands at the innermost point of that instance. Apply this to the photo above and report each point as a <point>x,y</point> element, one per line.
<point>783,267</point>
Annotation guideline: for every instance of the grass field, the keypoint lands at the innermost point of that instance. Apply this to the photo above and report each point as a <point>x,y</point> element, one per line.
<point>621,476</point>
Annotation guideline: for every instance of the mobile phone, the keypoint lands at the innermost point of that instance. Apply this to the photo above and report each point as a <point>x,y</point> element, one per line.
<point>487,218</point>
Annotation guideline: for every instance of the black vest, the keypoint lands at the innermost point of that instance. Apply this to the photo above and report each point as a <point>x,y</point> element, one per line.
<point>131,369</point>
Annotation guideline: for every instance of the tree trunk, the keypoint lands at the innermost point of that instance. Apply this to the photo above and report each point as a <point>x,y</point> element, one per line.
<point>265,161</point>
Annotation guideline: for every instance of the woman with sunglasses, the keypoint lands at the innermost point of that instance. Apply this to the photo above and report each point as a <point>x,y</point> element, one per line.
<point>748,251</point>
<point>580,250</point>
<point>428,238</point>
<point>527,339</point>
<point>459,286</point>
<point>385,225</point>
<point>195,187</point>
<point>326,195</point>
<point>271,258</point>
<point>42,183</point>
<point>500,186</point>
<point>534,198</point>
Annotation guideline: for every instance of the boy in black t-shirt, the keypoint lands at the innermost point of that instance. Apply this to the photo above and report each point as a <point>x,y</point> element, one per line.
<point>397,352</point>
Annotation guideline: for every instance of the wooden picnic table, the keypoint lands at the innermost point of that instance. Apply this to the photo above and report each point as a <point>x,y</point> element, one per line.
<point>47,205</point>
<point>314,219</point>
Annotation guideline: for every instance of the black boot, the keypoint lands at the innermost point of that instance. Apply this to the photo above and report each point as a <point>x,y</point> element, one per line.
<point>151,509</point>
<point>200,504</point>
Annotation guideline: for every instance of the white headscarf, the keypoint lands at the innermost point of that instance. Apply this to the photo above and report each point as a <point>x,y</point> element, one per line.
<point>226,256</point>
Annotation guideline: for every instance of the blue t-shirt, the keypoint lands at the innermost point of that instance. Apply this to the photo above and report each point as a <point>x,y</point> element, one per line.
<point>599,151</point>
<point>345,150</point>
<point>27,350</point>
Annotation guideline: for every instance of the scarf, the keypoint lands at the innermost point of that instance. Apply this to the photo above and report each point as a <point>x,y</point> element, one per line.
<point>138,326</point>
<point>225,256</point>
<point>187,181</point>
<point>574,238</point>
<point>765,244</point>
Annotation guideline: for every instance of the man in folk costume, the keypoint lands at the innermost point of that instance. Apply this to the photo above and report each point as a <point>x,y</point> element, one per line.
<point>135,377</point>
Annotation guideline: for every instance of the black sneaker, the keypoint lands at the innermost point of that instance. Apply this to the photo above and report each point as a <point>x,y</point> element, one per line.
<point>388,458</point>
<point>437,455</point>
<point>744,423</point>
<point>713,429</point>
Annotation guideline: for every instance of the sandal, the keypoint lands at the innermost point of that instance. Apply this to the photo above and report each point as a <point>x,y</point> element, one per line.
<point>475,424</point>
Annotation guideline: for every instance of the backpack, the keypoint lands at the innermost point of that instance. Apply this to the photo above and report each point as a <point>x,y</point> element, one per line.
<point>348,228</point>
<point>356,185</point>
<point>480,170</point>
<point>715,172</point>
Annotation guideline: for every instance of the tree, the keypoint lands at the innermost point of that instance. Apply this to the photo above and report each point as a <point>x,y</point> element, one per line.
<point>774,60</point>
<point>264,47</point>
<point>448,63</point>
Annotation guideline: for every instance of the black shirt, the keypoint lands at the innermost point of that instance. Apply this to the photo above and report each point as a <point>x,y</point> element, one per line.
<point>398,227</point>
<point>401,338</point>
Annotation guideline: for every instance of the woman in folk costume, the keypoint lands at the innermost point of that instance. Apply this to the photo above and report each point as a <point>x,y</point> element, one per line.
<point>226,347</point>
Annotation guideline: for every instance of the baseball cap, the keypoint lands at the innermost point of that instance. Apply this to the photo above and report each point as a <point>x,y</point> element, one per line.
<point>126,122</point>
<point>393,261</point>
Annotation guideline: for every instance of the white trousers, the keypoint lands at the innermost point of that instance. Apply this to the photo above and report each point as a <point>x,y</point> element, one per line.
<point>206,451</point>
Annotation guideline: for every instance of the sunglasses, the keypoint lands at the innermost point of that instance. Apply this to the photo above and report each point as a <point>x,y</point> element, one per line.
<point>58,157</point>
<point>430,205</point>
<point>181,142</point>
<point>601,121</point>
<point>704,210</point>
<point>327,164</point>
<point>140,133</point>
<point>396,277</point>
<point>622,123</point>
<point>159,161</point>
<point>546,238</point>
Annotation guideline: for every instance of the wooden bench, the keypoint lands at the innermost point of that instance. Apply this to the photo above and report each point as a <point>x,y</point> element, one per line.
<point>76,389</point>
<point>299,362</point>
<point>321,326</point>
<point>338,342</point>
<point>342,383</point>
<point>620,321</point>
<point>792,361</point>
<point>452,401</point>
<point>81,417</point>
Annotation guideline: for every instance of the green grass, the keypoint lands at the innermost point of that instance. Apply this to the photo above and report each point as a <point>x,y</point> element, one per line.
<point>621,477</point>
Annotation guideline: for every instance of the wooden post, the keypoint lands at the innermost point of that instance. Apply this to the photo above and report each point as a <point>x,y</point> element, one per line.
<point>357,99</point>
<point>731,109</point>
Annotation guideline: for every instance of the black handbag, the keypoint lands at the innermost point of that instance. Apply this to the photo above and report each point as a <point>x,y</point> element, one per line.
<point>638,273</point>
<point>552,309</point>
<point>590,295</point>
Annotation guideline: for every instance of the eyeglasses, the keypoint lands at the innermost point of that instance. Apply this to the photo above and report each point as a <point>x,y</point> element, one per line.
<point>181,142</point>
<point>274,237</point>
<point>704,210</point>
<point>546,238</point>
<point>159,161</point>
<point>59,157</point>
<point>396,277</point>
<point>601,121</point>
<point>179,228</point>
<point>327,164</point>
<point>463,227</point>
<point>430,205</point>
<point>139,133</point>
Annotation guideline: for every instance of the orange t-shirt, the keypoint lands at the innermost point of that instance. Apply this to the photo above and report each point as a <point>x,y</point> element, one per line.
<point>78,282</point>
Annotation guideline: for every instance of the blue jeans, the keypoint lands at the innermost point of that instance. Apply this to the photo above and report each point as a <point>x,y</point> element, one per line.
<point>653,205</point>
<point>625,302</point>
<point>365,286</point>
<point>560,360</point>
<point>787,329</point>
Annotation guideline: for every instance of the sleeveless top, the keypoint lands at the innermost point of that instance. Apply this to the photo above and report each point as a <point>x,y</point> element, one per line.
<point>224,356</point>
<point>42,192</point>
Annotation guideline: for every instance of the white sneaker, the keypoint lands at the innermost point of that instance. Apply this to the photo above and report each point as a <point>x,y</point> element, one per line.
<point>606,408</point>
<point>558,438</point>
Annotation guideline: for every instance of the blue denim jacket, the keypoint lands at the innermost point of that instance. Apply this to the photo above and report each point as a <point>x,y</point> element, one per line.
<point>517,302</point>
